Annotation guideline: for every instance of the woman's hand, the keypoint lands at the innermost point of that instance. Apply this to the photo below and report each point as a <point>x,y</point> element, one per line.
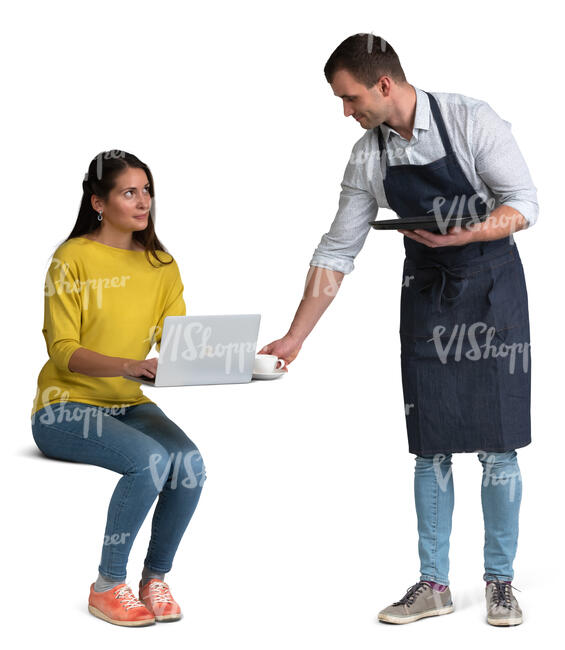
<point>455,236</point>
<point>145,368</point>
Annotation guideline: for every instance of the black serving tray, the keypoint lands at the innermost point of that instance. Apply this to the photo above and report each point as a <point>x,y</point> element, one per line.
<point>426,222</point>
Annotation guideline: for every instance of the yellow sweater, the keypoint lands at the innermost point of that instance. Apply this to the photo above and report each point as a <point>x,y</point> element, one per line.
<point>109,300</point>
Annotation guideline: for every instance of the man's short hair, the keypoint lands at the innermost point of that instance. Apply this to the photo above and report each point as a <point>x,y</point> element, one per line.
<point>367,58</point>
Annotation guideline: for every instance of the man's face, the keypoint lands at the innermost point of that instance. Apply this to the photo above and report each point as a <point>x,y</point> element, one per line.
<point>367,105</point>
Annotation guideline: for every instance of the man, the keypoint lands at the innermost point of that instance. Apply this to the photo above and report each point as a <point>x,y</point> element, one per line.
<point>464,323</point>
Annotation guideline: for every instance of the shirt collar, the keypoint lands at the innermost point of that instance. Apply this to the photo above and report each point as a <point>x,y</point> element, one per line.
<point>421,118</point>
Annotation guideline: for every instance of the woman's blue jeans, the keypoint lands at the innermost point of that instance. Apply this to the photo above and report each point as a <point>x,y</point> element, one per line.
<point>501,493</point>
<point>155,457</point>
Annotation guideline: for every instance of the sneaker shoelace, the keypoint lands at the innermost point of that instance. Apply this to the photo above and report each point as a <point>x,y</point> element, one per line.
<point>502,593</point>
<point>160,592</point>
<point>411,594</point>
<point>127,598</point>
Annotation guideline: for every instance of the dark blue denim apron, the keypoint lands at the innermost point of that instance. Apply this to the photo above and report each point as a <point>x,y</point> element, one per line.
<point>464,323</point>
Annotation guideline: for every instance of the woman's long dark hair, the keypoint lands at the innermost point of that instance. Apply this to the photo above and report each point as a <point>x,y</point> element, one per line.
<point>100,180</point>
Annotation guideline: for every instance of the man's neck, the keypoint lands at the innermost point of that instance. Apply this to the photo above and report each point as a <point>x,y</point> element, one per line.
<point>404,112</point>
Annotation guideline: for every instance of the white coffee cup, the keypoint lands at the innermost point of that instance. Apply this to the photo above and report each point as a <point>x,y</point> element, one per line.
<point>267,363</point>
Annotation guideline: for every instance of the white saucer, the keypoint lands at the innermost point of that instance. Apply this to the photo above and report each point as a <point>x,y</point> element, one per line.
<point>268,375</point>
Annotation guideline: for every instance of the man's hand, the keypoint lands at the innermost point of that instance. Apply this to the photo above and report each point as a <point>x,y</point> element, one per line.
<point>321,288</point>
<point>455,236</point>
<point>501,222</point>
<point>286,348</point>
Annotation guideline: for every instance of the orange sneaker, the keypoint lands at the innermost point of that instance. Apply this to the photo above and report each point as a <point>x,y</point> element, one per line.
<point>119,606</point>
<point>155,595</point>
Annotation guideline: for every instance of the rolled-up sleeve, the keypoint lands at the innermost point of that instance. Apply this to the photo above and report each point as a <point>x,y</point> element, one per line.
<point>62,314</point>
<point>357,206</point>
<point>500,164</point>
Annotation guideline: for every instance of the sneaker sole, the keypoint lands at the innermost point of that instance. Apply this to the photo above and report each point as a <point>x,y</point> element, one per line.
<point>169,618</point>
<point>96,612</point>
<point>389,618</point>
<point>504,621</point>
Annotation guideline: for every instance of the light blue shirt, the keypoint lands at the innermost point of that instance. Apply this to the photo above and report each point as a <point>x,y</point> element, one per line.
<point>484,146</point>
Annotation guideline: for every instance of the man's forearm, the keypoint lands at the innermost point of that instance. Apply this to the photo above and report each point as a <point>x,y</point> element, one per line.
<point>91,363</point>
<point>320,289</point>
<point>501,222</point>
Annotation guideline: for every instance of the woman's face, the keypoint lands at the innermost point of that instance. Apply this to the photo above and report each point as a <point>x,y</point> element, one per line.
<point>127,206</point>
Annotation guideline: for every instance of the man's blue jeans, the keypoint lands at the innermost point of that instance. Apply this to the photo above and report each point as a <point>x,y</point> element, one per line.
<point>155,457</point>
<point>501,493</point>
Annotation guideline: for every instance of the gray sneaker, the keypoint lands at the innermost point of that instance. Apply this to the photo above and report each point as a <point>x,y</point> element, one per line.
<point>418,602</point>
<point>502,607</point>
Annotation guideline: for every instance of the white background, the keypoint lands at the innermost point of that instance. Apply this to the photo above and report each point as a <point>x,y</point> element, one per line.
<point>306,527</point>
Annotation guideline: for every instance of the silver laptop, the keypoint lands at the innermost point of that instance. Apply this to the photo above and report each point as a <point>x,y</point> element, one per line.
<point>200,350</point>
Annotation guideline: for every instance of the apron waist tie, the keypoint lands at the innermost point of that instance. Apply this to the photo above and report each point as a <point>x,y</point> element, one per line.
<point>437,286</point>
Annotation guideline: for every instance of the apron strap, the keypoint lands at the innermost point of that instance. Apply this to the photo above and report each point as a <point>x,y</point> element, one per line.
<point>440,124</point>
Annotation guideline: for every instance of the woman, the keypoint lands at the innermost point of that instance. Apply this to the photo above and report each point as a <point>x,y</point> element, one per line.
<point>109,287</point>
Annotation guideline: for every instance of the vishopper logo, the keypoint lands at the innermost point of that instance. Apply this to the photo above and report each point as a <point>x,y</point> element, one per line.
<point>191,480</point>
<point>442,479</point>
<point>478,351</point>
<point>191,341</point>
<point>154,332</point>
<point>382,43</point>
<point>116,538</point>
<point>490,475</point>
<point>61,411</point>
<point>61,280</point>
<point>461,206</point>
<point>368,159</point>
<point>107,155</point>
<point>48,394</point>
<point>406,280</point>
<point>322,276</point>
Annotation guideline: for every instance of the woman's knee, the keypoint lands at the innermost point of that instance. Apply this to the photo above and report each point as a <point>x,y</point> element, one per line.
<point>188,466</point>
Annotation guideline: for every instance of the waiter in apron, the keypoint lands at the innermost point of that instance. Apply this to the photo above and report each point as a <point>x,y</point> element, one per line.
<point>464,324</point>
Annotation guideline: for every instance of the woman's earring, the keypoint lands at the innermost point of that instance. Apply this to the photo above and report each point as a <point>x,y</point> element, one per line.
<point>100,215</point>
